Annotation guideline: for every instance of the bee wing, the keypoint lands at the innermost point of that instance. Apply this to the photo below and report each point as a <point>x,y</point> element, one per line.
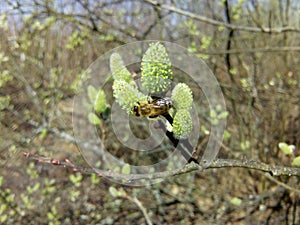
<point>162,102</point>
<point>159,102</point>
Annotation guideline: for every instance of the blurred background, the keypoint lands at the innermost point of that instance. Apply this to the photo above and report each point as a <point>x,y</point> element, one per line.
<point>252,47</point>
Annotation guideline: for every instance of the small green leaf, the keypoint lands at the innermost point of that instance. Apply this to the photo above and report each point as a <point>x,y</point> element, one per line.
<point>93,119</point>
<point>296,162</point>
<point>226,135</point>
<point>236,201</point>
<point>116,193</point>
<point>286,149</point>
<point>204,130</point>
<point>117,169</point>
<point>245,145</point>
<point>126,169</point>
<point>43,134</point>
<point>100,104</point>
<point>76,39</point>
<point>223,115</point>
<point>3,218</point>
<point>4,101</point>
<point>76,179</point>
<point>233,71</point>
<point>5,77</point>
<point>205,42</point>
<point>92,93</point>
<point>221,28</point>
<point>113,191</point>
<point>212,114</point>
<point>95,179</point>
<point>122,193</point>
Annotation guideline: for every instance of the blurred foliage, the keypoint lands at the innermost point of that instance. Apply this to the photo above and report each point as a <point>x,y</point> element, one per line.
<point>46,46</point>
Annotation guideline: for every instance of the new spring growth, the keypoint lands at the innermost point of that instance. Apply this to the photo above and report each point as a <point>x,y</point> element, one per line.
<point>156,79</point>
<point>156,70</point>
<point>127,95</point>
<point>182,124</point>
<point>124,90</point>
<point>118,70</point>
<point>182,100</point>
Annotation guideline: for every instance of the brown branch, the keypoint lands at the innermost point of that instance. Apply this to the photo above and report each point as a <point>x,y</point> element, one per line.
<point>252,50</point>
<point>184,146</point>
<point>222,24</point>
<point>139,204</point>
<point>219,163</point>
<point>286,186</point>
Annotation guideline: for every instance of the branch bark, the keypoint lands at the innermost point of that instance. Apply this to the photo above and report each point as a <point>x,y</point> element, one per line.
<point>273,170</point>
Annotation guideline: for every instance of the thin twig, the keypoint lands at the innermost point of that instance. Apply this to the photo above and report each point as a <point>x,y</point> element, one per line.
<point>282,184</point>
<point>141,207</point>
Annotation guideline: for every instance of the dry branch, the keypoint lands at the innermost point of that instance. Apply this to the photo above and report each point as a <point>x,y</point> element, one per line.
<point>219,163</point>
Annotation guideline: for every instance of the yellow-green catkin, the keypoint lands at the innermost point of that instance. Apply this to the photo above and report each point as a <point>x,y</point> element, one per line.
<point>118,70</point>
<point>126,95</point>
<point>182,97</point>
<point>156,70</point>
<point>182,124</point>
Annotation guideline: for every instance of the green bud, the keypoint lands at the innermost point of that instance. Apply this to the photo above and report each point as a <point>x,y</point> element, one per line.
<point>119,71</point>
<point>296,162</point>
<point>92,93</point>
<point>182,124</point>
<point>126,169</point>
<point>156,69</point>
<point>93,119</point>
<point>100,104</point>
<point>286,149</point>
<point>182,96</point>
<point>126,95</point>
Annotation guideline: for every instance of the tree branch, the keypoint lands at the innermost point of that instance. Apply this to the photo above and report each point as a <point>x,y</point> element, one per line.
<point>219,163</point>
<point>286,186</point>
<point>204,19</point>
<point>252,50</point>
<point>141,207</point>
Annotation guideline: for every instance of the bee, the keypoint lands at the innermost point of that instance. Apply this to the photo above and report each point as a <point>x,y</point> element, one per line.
<point>159,106</point>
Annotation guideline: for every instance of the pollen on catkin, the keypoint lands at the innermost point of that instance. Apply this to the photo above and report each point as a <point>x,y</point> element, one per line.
<point>156,70</point>
<point>182,124</point>
<point>126,95</point>
<point>182,96</point>
<point>118,70</point>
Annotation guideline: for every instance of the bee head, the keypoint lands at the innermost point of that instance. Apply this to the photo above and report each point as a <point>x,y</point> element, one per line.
<point>136,111</point>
